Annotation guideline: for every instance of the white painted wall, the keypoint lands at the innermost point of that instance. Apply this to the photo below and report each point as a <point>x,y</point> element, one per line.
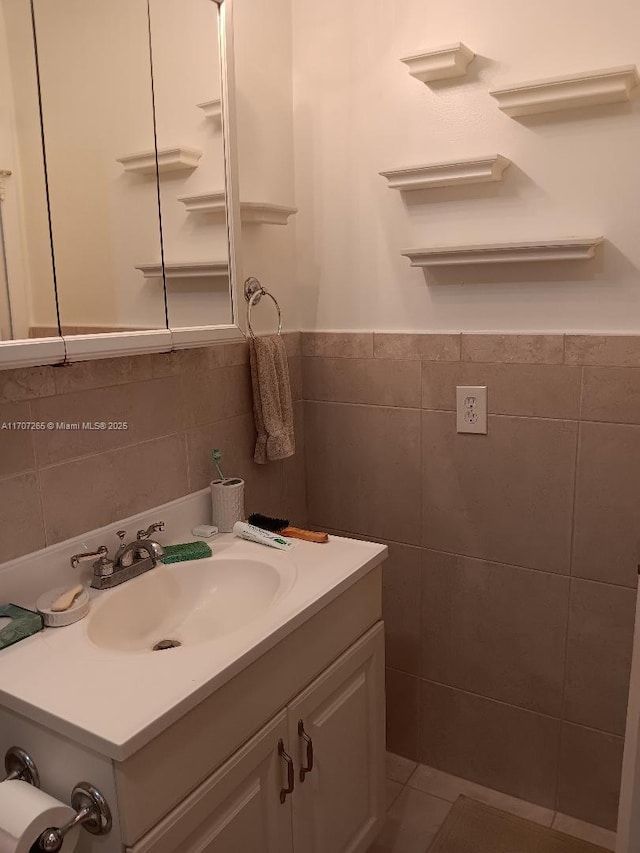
<point>263,70</point>
<point>358,112</point>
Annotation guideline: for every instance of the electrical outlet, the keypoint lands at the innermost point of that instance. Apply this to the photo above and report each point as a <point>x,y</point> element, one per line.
<point>471,408</point>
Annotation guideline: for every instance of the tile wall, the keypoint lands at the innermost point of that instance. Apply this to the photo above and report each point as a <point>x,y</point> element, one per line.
<point>510,588</point>
<point>56,484</point>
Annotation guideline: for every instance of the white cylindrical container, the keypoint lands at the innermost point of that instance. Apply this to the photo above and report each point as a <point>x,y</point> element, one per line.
<point>25,813</point>
<point>227,503</point>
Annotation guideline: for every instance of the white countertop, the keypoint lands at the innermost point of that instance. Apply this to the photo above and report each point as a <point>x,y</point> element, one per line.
<point>116,702</point>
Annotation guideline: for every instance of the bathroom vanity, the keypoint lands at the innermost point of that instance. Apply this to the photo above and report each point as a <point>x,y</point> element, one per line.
<point>263,731</point>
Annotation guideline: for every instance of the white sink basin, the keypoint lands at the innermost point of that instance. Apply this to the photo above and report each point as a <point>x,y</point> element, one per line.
<point>187,603</point>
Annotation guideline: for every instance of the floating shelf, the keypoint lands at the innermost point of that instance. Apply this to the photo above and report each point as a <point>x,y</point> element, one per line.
<point>250,211</point>
<point>212,109</point>
<point>188,269</point>
<point>569,249</point>
<point>169,160</point>
<point>478,170</point>
<point>441,63</point>
<point>608,86</point>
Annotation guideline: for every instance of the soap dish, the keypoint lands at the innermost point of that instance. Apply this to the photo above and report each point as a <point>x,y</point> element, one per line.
<point>59,619</point>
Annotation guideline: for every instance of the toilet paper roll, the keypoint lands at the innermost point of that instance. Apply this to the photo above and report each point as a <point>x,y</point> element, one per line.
<point>25,812</point>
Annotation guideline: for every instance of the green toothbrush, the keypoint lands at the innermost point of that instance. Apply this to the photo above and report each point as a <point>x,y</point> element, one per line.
<point>217,458</point>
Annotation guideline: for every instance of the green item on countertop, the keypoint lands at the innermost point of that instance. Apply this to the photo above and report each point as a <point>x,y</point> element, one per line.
<point>186,551</point>
<point>23,624</point>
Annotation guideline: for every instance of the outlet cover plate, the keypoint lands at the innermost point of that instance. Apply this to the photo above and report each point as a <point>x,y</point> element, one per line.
<point>471,408</point>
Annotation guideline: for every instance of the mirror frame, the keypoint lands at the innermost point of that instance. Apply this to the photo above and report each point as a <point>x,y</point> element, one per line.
<point>68,348</point>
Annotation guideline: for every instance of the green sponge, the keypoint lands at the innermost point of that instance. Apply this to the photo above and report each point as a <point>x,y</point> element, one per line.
<point>186,551</point>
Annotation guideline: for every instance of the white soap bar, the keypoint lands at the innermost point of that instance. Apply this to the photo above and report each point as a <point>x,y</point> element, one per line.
<point>204,531</point>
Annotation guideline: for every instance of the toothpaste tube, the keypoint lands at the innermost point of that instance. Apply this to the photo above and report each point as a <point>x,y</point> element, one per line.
<point>257,534</point>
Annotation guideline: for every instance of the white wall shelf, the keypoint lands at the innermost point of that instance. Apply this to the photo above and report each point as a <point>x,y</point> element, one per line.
<point>169,160</point>
<point>441,63</point>
<point>477,170</point>
<point>187,269</point>
<point>212,109</point>
<point>608,86</point>
<point>568,249</point>
<point>250,211</point>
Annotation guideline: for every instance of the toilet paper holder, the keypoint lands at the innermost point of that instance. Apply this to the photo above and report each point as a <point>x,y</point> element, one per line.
<point>19,765</point>
<point>92,812</point>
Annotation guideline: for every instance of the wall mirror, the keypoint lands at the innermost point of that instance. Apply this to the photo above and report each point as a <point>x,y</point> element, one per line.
<point>129,163</point>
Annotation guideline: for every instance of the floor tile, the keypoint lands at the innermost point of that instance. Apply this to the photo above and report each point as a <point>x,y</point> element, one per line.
<point>448,787</point>
<point>585,831</point>
<point>392,791</point>
<point>411,823</point>
<point>399,768</point>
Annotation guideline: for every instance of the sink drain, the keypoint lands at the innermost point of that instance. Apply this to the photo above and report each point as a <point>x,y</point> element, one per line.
<point>161,645</point>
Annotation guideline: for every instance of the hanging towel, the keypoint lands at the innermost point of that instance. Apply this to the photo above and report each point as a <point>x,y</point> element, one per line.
<point>272,406</point>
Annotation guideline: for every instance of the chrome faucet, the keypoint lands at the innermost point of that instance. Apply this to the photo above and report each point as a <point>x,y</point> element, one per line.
<point>129,561</point>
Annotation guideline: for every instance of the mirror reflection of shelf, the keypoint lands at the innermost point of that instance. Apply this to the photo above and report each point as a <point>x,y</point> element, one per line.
<point>478,170</point>
<point>590,88</point>
<point>441,63</point>
<point>169,160</point>
<point>187,269</point>
<point>568,249</point>
<point>250,211</point>
<point>212,109</point>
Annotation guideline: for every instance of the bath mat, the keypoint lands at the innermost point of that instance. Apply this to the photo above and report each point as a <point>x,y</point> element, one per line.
<point>472,827</point>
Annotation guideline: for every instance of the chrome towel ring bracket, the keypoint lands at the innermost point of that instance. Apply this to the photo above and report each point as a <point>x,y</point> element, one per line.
<point>253,293</point>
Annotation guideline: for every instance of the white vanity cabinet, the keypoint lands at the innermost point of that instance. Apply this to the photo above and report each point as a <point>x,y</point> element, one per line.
<point>336,807</point>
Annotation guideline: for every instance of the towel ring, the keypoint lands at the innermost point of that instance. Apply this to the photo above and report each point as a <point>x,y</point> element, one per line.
<point>253,293</point>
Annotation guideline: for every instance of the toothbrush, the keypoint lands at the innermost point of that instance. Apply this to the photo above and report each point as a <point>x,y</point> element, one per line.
<point>216,456</point>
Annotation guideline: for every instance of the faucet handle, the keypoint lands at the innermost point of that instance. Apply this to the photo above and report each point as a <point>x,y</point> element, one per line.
<point>145,534</point>
<point>102,566</point>
<point>121,534</point>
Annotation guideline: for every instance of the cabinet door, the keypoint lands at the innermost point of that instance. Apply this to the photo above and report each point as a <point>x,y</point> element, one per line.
<point>338,806</point>
<point>237,810</point>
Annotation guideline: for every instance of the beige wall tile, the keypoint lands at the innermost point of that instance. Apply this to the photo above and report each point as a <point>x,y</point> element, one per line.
<point>603,350</point>
<point>294,477</point>
<point>295,378</point>
<point>214,395</point>
<point>16,445</point>
<point>522,349</point>
<point>589,779</point>
<point>293,343</point>
<point>150,409</point>
<point>86,375</point>
<point>402,692</point>
<point>21,524</point>
<point>236,353</point>
<point>427,347</point>
<point>338,344</point>
<point>362,469</point>
<point>599,655</point>
<point>607,534</point>
<point>496,745</point>
<point>401,608</point>
<point>506,496</point>
<point>353,380</point>
<point>97,490</point>
<point>537,390</point>
<point>482,630</point>
<point>26,383</point>
<point>611,394</point>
